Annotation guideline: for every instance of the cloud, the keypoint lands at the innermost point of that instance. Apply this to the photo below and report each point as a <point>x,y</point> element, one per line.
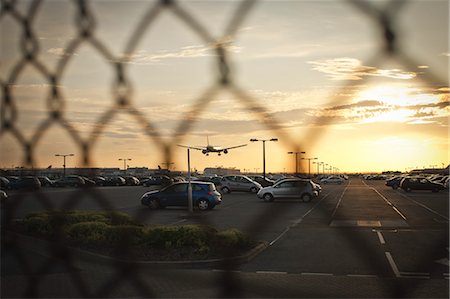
<point>352,69</point>
<point>143,57</point>
<point>60,52</point>
<point>368,103</point>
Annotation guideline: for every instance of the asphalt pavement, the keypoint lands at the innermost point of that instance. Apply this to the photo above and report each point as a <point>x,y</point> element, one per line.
<point>359,239</point>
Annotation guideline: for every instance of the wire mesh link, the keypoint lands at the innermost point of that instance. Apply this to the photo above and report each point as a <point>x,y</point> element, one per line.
<point>122,95</point>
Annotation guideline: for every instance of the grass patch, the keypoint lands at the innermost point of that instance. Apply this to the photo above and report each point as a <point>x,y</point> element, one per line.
<point>117,234</point>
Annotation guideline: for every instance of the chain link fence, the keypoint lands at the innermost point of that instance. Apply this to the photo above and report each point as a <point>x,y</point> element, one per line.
<point>383,18</point>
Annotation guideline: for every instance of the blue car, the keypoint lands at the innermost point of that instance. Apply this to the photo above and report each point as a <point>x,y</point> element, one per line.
<point>204,196</point>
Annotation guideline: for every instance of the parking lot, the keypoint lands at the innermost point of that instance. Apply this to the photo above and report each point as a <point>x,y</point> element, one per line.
<point>358,229</point>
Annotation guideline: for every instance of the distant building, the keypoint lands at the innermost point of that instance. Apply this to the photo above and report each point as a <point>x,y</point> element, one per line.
<point>220,171</point>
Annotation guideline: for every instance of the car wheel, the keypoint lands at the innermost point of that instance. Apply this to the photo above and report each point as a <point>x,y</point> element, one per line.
<point>153,204</point>
<point>306,197</point>
<point>395,187</point>
<point>203,204</point>
<point>226,190</point>
<point>408,189</point>
<point>268,197</point>
<point>435,190</point>
<point>253,189</point>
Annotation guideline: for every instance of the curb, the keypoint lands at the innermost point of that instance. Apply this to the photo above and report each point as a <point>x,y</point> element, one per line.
<point>76,255</point>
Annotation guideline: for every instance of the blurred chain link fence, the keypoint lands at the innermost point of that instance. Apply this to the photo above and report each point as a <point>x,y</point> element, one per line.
<point>122,93</point>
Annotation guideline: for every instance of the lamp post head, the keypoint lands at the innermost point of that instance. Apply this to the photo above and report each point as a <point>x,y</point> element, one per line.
<point>274,139</point>
<point>253,140</point>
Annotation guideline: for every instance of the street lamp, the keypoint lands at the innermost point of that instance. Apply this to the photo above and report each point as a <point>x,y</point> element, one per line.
<point>125,164</point>
<point>264,151</point>
<point>309,165</point>
<point>64,159</point>
<point>296,160</point>
<point>318,164</point>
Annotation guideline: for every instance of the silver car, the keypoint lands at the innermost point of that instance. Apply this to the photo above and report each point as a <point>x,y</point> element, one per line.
<point>290,188</point>
<point>231,183</point>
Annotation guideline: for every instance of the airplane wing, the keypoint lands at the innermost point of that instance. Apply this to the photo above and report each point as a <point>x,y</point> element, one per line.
<point>193,147</point>
<point>236,146</point>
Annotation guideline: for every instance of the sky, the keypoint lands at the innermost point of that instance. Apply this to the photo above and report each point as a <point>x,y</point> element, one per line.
<point>313,67</point>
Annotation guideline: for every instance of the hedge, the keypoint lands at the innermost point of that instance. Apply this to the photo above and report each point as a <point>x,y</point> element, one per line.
<point>106,230</point>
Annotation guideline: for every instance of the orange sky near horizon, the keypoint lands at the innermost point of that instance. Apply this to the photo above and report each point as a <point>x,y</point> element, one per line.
<point>308,64</point>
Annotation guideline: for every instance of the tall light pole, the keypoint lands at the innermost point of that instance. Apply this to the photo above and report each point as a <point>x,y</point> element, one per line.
<point>64,159</point>
<point>309,164</point>
<point>318,164</point>
<point>264,151</point>
<point>296,160</point>
<point>125,164</point>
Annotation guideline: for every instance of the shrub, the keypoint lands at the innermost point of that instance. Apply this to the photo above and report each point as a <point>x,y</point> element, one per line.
<point>91,233</point>
<point>232,238</point>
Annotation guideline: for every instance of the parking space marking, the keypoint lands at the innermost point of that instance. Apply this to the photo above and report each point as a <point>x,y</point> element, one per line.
<point>392,264</point>
<point>339,201</point>
<point>380,238</point>
<point>316,274</point>
<point>387,201</point>
<point>423,206</point>
<point>297,221</point>
<point>362,275</point>
<point>271,272</point>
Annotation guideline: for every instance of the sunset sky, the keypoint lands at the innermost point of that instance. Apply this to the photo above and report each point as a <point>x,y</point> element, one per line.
<point>310,64</point>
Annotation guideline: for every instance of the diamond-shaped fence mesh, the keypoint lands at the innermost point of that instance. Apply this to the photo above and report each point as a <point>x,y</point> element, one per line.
<point>382,18</point>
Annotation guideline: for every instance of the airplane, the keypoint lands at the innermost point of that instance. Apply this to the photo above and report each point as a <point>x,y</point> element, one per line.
<point>212,148</point>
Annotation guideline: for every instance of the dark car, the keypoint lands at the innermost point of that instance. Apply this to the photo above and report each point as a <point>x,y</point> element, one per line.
<point>99,180</point>
<point>394,182</point>
<point>26,182</point>
<point>70,181</point>
<point>4,183</point>
<point>410,183</point>
<point>115,181</point>
<point>88,182</point>
<point>131,181</point>
<point>45,181</point>
<point>162,180</point>
<point>217,180</point>
<point>204,196</point>
<point>263,181</point>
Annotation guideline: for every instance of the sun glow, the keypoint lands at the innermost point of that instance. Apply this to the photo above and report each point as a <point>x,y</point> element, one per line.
<point>397,96</point>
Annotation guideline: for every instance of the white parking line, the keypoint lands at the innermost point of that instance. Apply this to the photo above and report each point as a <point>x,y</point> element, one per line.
<point>362,275</point>
<point>271,272</point>
<point>392,263</point>
<point>339,202</point>
<point>316,274</point>
<point>380,237</point>
<point>387,201</point>
<point>297,221</point>
<point>423,206</point>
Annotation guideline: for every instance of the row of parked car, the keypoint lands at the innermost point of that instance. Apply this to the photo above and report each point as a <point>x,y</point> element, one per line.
<point>36,182</point>
<point>205,193</point>
<point>434,183</point>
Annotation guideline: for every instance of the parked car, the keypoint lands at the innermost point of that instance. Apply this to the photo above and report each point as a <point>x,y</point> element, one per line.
<point>204,196</point>
<point>115,181</point>
<point>232,183</point>
<point>411,183</point>
<point>289,188</point>
<point>217,180</point>
<point>70,181</point>
<point>332,180</point>
<point>26,182</point>
<point>131,181</point>
<point>88,182</point>
<point>99,180</point>
<point>162,180</point>
<point>45,181</point>
<point>3,197</point>
<point>394,182</point>
<point>263,181</point>
<point>4,183</point>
